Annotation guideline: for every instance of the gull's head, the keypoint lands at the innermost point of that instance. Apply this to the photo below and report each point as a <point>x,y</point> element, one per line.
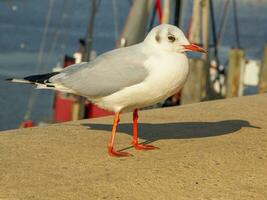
<point>170,38</point>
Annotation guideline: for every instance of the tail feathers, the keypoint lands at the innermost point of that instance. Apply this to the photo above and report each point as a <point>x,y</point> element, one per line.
<point>41,81</point>
<point>16,80</point>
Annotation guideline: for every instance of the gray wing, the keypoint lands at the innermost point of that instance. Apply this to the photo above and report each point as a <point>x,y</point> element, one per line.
<point>105,75</point>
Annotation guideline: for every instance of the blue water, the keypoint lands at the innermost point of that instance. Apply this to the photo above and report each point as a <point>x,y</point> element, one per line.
<point>22,25</point>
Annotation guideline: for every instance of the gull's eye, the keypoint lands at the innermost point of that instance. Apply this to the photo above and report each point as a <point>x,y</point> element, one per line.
<point>171,38</point>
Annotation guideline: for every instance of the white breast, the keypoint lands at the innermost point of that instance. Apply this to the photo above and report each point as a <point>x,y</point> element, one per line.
<point>167,74</point>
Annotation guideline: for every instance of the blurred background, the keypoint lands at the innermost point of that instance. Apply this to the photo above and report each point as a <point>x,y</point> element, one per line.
<point>43,36</point>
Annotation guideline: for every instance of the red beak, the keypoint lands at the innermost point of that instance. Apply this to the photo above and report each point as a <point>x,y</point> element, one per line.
<point>194,47</point>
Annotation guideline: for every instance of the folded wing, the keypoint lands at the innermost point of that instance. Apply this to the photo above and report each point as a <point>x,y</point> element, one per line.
<point>105,75</point>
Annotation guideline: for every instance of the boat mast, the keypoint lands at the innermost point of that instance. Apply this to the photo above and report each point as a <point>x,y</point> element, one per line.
<point>89,34</point>
<point>78,111</point>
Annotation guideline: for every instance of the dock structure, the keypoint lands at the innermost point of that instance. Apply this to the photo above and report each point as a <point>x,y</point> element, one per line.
<point>235,73</point>
<point>209,150</point>
<point>263,73</point>
<point>192,92</point>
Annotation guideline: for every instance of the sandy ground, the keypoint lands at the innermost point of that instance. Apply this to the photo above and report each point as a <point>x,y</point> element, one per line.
<point>212,150</point>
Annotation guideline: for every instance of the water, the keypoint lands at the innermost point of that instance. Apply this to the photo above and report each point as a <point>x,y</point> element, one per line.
<point>22,25</point>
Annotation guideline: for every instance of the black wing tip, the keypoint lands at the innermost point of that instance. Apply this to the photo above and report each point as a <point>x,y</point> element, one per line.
<point>9,79</point>
<point>40,78</point>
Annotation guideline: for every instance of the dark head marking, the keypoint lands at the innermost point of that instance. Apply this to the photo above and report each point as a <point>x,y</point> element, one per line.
<point>157,37</point>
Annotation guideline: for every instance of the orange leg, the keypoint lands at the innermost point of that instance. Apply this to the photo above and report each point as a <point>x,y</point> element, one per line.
<point>111,151</point>
<point>135,135</point>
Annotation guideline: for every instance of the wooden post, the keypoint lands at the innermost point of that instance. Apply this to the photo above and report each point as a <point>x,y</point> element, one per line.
<point>263,73</point>
<point>205,25</point>
<point>76,110</point>
<point>194,89</point>
<point>234,73</point>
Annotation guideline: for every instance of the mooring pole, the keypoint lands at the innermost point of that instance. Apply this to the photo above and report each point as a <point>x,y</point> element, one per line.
<point>234,72</point>
<point>263,72</point>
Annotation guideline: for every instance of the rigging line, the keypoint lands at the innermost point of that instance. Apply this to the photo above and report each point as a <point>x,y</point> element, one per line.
<point>33,95</point>
<point>42,45</point>
<point>215,41</point>
<point>223,22</point>
<point>236,24</point>
<point>57,31</point>
<point>62,39</point>
<point>89,32</point>
<point>214,34</point>
<point>115,19</point>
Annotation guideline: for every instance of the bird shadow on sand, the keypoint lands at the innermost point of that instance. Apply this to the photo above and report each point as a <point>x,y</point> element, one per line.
<point>181,130</point>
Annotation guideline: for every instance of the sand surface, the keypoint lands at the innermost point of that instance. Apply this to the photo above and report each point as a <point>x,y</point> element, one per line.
<point>214,150</point>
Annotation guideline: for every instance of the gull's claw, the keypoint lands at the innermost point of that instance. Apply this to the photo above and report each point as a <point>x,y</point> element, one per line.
<point>115,153</point>
<point>144,147</point>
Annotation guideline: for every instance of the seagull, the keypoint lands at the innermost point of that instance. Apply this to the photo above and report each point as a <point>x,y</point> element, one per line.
<point>127,79</point>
